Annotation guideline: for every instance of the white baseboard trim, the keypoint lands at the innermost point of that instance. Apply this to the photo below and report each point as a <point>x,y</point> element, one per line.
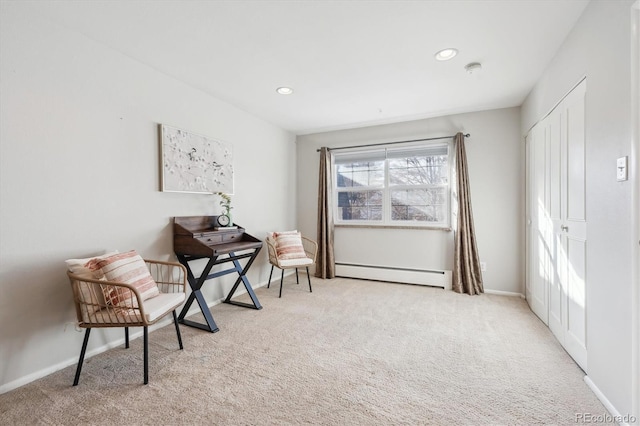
<point>110,345</point>
<point>615,416</point>
<point>504,293</point>
<point>73,361</point>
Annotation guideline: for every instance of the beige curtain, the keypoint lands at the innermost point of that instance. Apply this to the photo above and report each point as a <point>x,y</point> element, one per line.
<point>325,264</point>
<point>467,277</point>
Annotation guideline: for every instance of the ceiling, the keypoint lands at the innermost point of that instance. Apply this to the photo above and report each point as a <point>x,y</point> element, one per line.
<point>350,63</point>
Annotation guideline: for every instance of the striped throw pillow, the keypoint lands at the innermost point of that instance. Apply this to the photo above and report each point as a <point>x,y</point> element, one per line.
<point>289,245</point>
<point>90,295</point>
<point>128,268</point>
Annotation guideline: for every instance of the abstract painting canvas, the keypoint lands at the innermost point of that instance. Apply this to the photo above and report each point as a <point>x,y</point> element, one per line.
<point>194,163</point>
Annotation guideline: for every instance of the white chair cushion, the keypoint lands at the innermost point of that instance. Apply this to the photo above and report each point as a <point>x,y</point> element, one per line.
<point>154,308</point>
<point>291,263</point>
<point>159,305</point>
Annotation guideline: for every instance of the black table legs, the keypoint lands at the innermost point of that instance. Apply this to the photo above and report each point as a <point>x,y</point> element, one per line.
<point>247,285</point>
<point>197,283</point>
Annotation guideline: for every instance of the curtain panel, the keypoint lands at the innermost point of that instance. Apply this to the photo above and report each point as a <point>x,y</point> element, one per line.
<point>325,264</point>
<point>467,276</point>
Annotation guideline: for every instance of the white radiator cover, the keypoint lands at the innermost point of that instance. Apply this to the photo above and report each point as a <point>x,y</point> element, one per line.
<point>429,277</point>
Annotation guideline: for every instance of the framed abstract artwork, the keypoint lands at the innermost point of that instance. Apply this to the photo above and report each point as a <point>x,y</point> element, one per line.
<point>194,163</point>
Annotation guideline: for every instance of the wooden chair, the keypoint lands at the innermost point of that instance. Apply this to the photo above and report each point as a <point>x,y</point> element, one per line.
<point>310,248</point>
<point>93,312</point>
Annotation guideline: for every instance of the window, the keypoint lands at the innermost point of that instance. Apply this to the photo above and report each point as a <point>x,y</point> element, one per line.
<point>393,187</point>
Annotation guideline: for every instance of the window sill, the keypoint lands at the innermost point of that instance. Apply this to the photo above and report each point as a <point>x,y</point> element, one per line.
<point>420,228</point>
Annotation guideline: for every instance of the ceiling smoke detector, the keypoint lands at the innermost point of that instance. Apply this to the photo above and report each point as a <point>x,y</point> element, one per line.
<point>473,67</point>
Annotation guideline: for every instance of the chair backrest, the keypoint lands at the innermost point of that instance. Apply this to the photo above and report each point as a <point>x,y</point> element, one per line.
<point>118,302</point>
<point>290,245</point>
<point>92,310</point>
<point>88,294</point>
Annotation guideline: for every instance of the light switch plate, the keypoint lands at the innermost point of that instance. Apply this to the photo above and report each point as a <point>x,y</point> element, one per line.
<point>621,169</point>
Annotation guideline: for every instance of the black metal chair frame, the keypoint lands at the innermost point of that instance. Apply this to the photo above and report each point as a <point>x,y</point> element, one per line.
<point>282,279</point>
<point>85,341</point>
<point>93,312</point>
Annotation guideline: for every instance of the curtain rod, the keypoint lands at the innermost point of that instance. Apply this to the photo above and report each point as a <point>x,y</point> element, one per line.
<point>392,143</point>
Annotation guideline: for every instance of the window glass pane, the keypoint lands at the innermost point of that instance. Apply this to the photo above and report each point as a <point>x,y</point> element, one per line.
<point>431,170</point>
<point>360,205</point>
<point>400,163</point>
<point>424,205</point>
<point>423,214</point>
<point>360,174</point>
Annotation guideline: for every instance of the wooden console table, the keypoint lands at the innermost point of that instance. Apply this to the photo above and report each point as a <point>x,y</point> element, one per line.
<point>195,237</point>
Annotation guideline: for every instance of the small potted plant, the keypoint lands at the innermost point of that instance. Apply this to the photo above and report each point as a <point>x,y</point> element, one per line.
<point>224,220</point>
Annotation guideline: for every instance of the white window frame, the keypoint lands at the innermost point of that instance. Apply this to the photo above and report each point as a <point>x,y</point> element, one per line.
<point>386,188</point>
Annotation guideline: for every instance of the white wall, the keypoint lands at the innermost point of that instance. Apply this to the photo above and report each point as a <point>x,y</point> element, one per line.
<point>496,169</point>
<point>635,166</point>
<point>599,48</point>
<point>79,174</point>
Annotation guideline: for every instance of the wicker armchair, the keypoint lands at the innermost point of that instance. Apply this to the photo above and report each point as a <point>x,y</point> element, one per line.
<point>310,250</point>
<point>131,311</point>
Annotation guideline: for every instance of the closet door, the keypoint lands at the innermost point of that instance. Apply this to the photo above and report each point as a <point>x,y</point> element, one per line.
<point>572,259</point>
<point>557,235</point>
<point>538,232</point>
<point>555,170</point>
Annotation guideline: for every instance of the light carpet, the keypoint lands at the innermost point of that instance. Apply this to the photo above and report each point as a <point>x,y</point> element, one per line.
<point>350,353</point>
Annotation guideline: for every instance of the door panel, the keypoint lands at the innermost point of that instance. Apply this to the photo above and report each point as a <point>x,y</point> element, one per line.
<point>575,337</point>
<point>574,225</point>
<point>556,292</point>
<point>558,229</point>
<point>554,131</point>
<point>539,255</point>
<point>575,155</point>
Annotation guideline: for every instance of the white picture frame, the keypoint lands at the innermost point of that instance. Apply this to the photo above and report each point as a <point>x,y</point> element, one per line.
<point>194,163</point>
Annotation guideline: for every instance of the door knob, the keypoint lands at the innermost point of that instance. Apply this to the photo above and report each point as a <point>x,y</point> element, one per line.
<point>564,228</point>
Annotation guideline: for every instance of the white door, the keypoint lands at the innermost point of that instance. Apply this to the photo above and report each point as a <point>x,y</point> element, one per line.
<point>572,259</point>
<point>556,288</point>
<point>537,286</point>
<point>557,294</point>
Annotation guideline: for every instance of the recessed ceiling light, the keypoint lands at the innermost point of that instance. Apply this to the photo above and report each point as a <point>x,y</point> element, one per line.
<point>284,90</point>
<point>446,54</point>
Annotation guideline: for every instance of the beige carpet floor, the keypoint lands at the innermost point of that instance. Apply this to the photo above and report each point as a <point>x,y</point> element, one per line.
<point>350,353</point>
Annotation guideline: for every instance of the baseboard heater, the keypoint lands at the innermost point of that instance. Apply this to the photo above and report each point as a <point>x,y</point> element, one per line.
<point>428,277</point>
